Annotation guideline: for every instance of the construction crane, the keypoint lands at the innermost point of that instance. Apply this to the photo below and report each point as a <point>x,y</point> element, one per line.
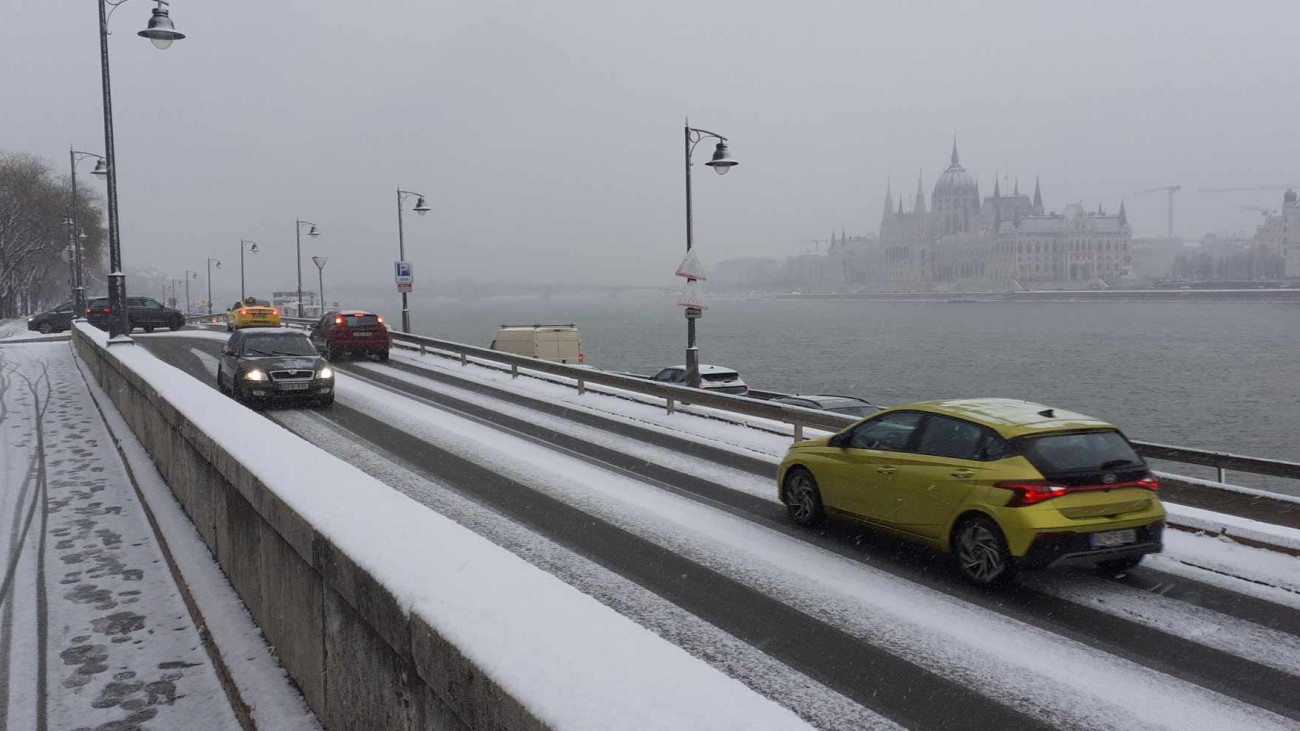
<point>1250,187</point>
<point>1170,189</point>
<point>1260,210</point>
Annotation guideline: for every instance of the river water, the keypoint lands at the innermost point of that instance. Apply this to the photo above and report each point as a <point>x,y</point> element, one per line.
<point>1222,376</point>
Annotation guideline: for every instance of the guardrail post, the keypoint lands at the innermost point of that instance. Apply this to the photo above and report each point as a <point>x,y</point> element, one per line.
<point>514,370</point>
<point>582,386</point>
<point>464,359</point>
<point>1223,474</point>
<point>423,350</point>
<point>798,432</point>
<point>670,405</point>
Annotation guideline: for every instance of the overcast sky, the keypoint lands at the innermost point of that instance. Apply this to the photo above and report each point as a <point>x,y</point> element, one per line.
<point>548,135</point>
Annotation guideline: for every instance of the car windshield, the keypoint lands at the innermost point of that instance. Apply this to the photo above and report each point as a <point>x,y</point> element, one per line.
<point>1080,452</point>
<point>269,344</point>
<point>360,320</point>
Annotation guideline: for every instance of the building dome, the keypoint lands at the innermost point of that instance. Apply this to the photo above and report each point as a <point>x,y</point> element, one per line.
<point>955,183</point>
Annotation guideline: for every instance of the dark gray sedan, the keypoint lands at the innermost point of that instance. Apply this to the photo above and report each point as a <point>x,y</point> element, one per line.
<point>274,364</point>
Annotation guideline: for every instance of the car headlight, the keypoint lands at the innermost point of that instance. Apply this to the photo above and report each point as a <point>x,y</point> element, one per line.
<point>255,375</point>
<point>325,372</point>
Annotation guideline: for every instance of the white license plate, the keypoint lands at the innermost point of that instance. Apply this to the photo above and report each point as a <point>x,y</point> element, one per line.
<point>294,386</point>
<point>1111,538</point>
<point>361,335</point>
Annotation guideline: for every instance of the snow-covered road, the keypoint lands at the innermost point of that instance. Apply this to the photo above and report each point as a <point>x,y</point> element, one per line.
<point>694,549</point>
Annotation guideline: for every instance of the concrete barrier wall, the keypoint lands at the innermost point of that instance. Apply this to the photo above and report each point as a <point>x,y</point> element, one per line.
<point>360,660</point>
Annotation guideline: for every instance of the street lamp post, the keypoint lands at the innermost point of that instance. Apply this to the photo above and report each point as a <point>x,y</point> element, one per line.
<point>720,163</point>
<point>78,281</point>
<point>210,262</point>
<point>312,232</point>
<point>251,246</point>
<point>420,208</point>
<point>188,276</point>
<point>161,32</point>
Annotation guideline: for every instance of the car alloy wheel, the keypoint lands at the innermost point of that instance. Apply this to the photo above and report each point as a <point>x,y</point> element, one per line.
<point>982,553</point>
<point>148,328</point>
<point>46,328</point>
<point>803,501</point>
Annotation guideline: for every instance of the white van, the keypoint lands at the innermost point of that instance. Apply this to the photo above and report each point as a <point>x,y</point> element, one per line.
<point>556,343</point>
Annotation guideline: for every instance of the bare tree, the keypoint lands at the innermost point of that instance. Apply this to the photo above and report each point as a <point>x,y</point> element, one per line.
<point>34,206</point>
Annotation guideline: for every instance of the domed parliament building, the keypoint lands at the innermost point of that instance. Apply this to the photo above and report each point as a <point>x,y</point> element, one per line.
<point>1000,241</point>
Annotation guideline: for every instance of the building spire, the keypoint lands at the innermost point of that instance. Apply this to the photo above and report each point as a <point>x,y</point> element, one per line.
<point>844,237</point>
<point>955,160</point>
<point>1038,197</point>
<point>889,198</point>
<point>1017,191</point>
<point>1123,215</point>
<point>920,194</point>
<point>997,190</point>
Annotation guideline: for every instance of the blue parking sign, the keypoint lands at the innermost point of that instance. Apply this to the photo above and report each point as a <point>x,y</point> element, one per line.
<point>402,272</point>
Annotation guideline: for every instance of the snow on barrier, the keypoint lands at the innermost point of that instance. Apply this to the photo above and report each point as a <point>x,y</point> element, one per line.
<point>387,614</point>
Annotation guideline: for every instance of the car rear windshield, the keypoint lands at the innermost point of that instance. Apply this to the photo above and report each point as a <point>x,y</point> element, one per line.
<point>278,344</point>
<point>718,377</point>
<point>360,320</point>
<point>1081,452</point>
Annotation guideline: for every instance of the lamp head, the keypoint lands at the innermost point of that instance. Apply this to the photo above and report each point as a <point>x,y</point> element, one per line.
<point>101,168</point>
<point>312,232</point>
<point>161,32</point>
<point>420,206</point>
<point>721,161</point>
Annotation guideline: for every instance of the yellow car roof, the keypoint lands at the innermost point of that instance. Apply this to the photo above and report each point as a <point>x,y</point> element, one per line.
<point>1010,418</point>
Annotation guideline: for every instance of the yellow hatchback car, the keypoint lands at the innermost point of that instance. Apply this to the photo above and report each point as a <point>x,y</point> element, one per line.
<point>251,312</point>
<point>1002,484</point>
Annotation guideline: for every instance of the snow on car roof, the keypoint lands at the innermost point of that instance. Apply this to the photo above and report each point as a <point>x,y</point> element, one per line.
<point>259,332</point>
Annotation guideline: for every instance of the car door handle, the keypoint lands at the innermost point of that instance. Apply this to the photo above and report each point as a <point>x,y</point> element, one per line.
<point>963,474</point>
<point>886,470</point>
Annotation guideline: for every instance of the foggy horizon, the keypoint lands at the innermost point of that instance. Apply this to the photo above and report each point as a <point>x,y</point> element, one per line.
<point>549,141</point>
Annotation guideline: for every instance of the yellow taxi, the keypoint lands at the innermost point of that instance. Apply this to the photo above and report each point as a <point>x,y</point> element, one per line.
<point>1000,484</point>
<point>251,312</point>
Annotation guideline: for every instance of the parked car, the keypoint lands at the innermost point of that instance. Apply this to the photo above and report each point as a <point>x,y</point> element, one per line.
<point>252,312</point>
<point>274,364</point>
<point>848,405</point>
<point>712,378</point>
<point>556,343</point>
<point>144,312</point>
<point>351,332</point>
<point>1001,484</point>
<point>54,320</point>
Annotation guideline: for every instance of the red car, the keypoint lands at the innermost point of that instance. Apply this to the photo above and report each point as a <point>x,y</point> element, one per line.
<point>351,331</point>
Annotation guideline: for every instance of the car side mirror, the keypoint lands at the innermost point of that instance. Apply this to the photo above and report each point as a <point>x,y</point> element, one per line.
<point>227,351</point>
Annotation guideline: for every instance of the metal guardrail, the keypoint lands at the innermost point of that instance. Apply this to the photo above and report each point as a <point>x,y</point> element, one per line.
<point>797,416</point>
<point>1222,461</point>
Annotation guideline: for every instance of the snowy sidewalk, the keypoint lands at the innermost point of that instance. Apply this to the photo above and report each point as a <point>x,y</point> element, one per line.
<point>93,630</point>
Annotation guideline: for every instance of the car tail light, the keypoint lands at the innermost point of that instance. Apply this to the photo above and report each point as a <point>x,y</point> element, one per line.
<point>108,310</point>
<point>381,319</point>
<point>582,357</point>
<point>338,321</point>
<point>1148,483</point>
<point>277,312</point>
<point>1029,492</point>
<point>244,313</point>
